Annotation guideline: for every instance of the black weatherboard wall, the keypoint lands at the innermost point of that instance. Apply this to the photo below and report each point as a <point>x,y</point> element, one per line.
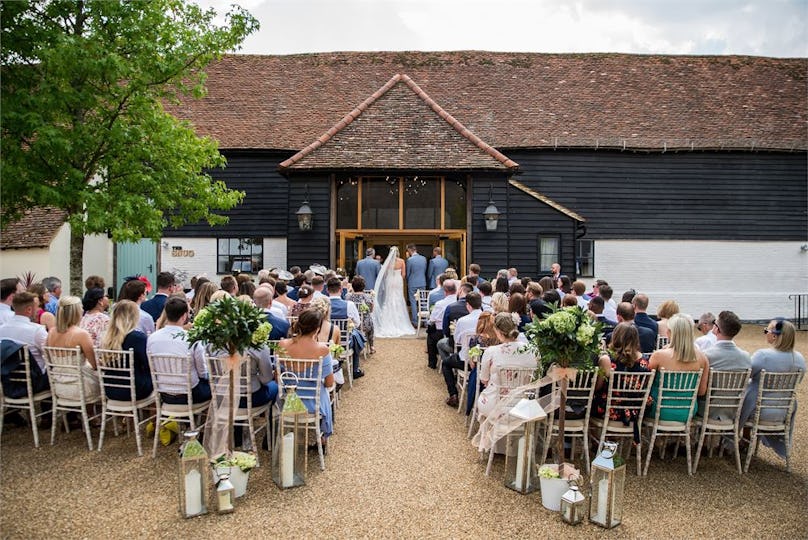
<point>305,248</point>
<point>685,195</point>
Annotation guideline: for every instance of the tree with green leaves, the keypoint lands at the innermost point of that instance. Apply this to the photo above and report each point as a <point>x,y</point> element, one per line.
<point>84,84</point>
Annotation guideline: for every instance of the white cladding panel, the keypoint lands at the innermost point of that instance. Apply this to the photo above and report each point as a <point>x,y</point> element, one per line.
<point>753,279</point>
<point>197,256</point>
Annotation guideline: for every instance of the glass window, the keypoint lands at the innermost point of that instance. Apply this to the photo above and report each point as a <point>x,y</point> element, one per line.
<point>549,251</point>
<point>455,200</point>
<point>586,258</point>
<point>380,203</point>
<point>347,199</point>
<point>240,255</point>
<point>421,203</point>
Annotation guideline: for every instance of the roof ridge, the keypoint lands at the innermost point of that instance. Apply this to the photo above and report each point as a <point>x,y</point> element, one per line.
<point>547,200</point>
<point>431,103</point>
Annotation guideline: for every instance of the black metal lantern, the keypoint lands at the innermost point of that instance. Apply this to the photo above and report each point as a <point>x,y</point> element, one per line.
<point>304,214</point>
<point>491,213</point>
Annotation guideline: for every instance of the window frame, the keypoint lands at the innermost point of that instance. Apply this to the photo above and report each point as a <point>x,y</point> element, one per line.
<point>241,256</point>
<point>558,253</point>
<point>579,257</point>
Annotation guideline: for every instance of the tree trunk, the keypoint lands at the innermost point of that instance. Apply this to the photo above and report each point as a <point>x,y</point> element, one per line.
<point>76,263</point>
<point>562,412</point>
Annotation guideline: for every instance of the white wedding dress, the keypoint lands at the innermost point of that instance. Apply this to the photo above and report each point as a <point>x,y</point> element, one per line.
<point>391,318</point>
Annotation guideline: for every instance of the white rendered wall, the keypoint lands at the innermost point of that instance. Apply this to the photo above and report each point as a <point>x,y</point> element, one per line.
<point>98,258</point>
<point>198,256</point>
<point>753,279</point>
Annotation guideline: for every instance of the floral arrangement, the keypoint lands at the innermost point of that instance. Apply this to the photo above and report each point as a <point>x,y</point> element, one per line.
<point>567,337</point>
<point>231,325</point>
<point>364,308</point>
<point>243,460</point>
<point>475,352</point>
<point>549,471</point>
<point>336,350</point>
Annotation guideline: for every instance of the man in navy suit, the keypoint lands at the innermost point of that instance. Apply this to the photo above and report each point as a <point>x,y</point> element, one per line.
<point>165,286</point>
<point>416,277</point>
<point>641,318</point>
<point>437,265</point>
<point>263,299</point>
<point>369,268</point>
<point>625,313</point>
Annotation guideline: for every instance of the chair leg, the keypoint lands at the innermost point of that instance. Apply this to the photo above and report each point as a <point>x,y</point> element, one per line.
<point>461,403</point>
<point>86,421</point>
<point>750,450</point>
<point>689,455</point>
<point>490,461</point>
<point>639,455</point>
<point>156,433</point>
<point>585,443</point>
<point>649,453</point>
<point>699,448</point>
<point>34,427</point>
<point>103,426</point>
<point>54,422</point>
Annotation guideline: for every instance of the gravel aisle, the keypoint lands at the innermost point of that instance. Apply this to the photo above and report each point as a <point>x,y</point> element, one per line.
<point>399,466</point>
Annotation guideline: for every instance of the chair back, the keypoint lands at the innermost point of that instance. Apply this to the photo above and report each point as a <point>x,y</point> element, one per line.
<point>344,332</point>
<point>725,393</point>
<point>628,391</point>
<point>292,320</point>
<point>422,297</point>
<point>17,385</point>
<point>220,379</point>
<point>171,374</point>
<point>116,369</point>
<point>309,373</point>
<point>662,341</point>
<point>581,390</point>
<point>511,377</point>
<point>777,395</point>
<point>66,377</point>
<point>677,392</point>
<point>464,340</point>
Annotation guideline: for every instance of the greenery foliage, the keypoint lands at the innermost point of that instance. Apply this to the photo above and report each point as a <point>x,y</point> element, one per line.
<point>567,337</point>
<point>230,325</point>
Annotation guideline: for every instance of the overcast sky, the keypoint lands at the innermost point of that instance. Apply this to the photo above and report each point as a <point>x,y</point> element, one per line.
<point>754,27</point>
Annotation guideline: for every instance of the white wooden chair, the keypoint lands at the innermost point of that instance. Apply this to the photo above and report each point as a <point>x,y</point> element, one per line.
<point>777,398</point>
<point>421,297</point>
<point>676,396</point>
<point>243,416</point>
<point>116,370</point>
<point>579,396</point>
<point>69,384</point>
<point>472,419</point>
<point>627,395</point>
<point>309,382</point>
<point>722,410</point>
<point>21,378</point>
<point>662,342</point>
<point>344,326</point>
<point>510,377</point>
<point>172,375</point>
<point>463,376</point>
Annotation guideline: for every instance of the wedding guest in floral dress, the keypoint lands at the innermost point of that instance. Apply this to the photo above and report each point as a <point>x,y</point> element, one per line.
<point>43,317</point>
<point>95,319</point>
<point>364,303</point>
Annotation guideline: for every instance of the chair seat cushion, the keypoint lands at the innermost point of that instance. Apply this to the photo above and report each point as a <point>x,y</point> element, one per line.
<point>666,425</point>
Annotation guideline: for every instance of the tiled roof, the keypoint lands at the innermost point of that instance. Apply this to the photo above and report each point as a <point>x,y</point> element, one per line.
<point>547,200</point>
<point>35,229</point>
<point>398,127</point>
<point>518,100</point>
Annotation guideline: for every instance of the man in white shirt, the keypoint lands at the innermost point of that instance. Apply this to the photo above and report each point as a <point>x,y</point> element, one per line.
<point>705,327</point>
<point>513,276</point>
<point>171,340</point>
<point>8,288</point>
<point>465,327</point>
<point>20,328</point>
<point>341,309</point>
<point>609,305</point>
<point>434,329</point>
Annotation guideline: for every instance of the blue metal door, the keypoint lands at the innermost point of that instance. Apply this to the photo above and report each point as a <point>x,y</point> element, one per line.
<point>133,258</point>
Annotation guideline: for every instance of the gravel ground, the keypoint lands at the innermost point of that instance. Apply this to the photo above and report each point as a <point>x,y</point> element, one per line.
<point>399,465</point>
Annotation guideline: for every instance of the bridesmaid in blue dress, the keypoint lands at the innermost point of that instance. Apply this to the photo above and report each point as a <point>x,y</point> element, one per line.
<point>304,344</point>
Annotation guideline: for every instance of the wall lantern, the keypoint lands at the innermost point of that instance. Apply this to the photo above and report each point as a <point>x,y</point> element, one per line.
<point>491,213</point>
<point>304,214</point>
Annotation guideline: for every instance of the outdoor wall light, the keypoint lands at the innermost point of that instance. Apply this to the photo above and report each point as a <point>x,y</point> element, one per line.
<point>304,214</point>
<point>491,213</point>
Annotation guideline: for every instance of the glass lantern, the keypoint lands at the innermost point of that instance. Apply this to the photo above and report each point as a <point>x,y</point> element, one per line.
<point>573,504</point>
<point>194,476</point>
<point>607,481</point>
<point>225,492</point>
<point>520,470</point>
<point>289,457</point>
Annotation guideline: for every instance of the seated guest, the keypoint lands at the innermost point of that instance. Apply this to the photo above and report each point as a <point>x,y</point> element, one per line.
<point>518,306</point>
<point>437,293</point>
<point>281,296</point>
<point>609,305</point>
<point>8,288</point>
<point>43,317</point>
<point>665,311</point>
<point>263,300</point>
<point>596,304</point>
<point>434,329</point>
<point>229,284</point>
<point>551,298</point>
<point>298,281</point>
<point>641,318</point>
<point>486,291</point>
<point>623,354</point>
<point>629,295</point>
<point>95,320</point>
<point>705,327</point>
<point>464,329</point>
<point>779,357</point>
<point>499,302</point>
<point>681,354</point>
<point>134,290</point>
<point>172,340</point>
<point>22,330</point>
<point>547,284</point>
<point>304,344</point>
<point>625,313</point>
<point>165,286</point>
<point>341,309</point>
<point>569,300</point>
<point>501,285</point>
<point>485,337</point>
<point>94,282</point>
<point>564,286</point>
<point>516,287</point>
<point>725,355</point>
<point>68,334</point>
<point>305,295</point>
<point>246,288</point>
<point>579,289</point>
<point>509,352</point>
<point>361,298</point>
<point>123,334</point>
<point>512,275</point>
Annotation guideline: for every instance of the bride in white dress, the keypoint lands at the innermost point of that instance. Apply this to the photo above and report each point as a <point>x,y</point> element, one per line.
<point>391,317</point>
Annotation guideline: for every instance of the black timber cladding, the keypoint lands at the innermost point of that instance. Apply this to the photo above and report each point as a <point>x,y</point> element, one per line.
<point>263,211</point>
<point>685,195</point>
<point>304,248</point>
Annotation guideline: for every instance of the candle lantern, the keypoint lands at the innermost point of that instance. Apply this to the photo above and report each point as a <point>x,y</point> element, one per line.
<point>522,447</point>
<point>607,481</point>
<point>289,457</point>
<point>573,504</point>
<point>225,492</point>
<point>194,476</point>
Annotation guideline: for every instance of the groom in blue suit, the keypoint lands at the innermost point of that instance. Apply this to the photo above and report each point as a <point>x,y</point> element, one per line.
<point>369,269</point>
<point>416,277</point>
<point>437,266</point>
